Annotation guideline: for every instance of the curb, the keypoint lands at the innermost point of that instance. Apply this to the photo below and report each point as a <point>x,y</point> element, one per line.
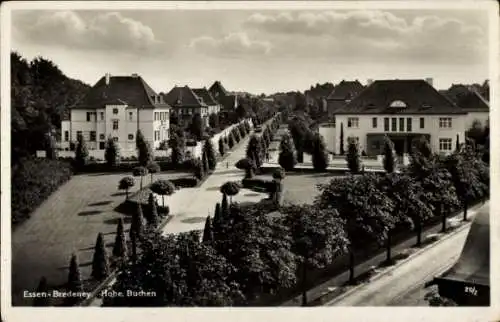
<point>406,260</point>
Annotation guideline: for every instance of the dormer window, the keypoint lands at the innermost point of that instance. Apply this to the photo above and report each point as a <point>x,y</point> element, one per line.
<point>426,106</point>
<point>398,104</point>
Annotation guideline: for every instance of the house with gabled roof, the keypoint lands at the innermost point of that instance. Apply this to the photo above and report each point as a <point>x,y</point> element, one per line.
<point>214,107</point>
<point>472,101</point>
<point>117,106</point>
<point>228,100</point>
<point>185,103</point>
<point>402,110</point>
<point>341,94</point>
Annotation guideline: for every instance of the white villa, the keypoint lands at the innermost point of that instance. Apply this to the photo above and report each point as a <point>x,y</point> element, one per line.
<point>117,106</point>
<point>402,110</point>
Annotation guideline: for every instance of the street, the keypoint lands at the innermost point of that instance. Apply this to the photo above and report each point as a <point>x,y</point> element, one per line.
<point>404,285</point>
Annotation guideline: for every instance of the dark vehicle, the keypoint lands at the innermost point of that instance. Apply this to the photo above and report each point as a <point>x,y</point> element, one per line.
<point>467,283</point>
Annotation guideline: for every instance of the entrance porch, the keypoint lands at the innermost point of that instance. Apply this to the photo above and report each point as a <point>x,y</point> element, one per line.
<point>402,142</point>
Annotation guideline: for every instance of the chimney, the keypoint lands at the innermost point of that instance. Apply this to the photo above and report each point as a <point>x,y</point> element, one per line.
<point>369,81</point>
<point>107,76</point>
<point>429,81</point>
<point>135,75</point>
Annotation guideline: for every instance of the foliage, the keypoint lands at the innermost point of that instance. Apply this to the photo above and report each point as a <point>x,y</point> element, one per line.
<point>208,234</point>
<point>352,157</point>
<point>224,211</point>
<point>163,188</point>
<point>112,152</point>
<point>287,158</point>
<point>74,276</point>
<point>120,245</point>
<point>100,263</point>
<point>197,126</point>
<point>152,168</point>
<point>342,139</point>
<point>81,153</point>
<point>389,155</point>
<point>230,140</point>
<point>126,183</point>
<point>279,174</point>
<point>144,152</point>
<point>153,219</point>
<point>42,288</point>
<point>137,224</point>
<point>248,165</point>
<point>230,188</point>
<point>198,169</point>
<point>222,147</point>
<point>213,120</point>
<point>177,143</point>
<point>140,172</point>
<point>254,150</point>
<point>208,150</point>
<point>319,155</point>
<point>50,147</point>
<point>33,181</point>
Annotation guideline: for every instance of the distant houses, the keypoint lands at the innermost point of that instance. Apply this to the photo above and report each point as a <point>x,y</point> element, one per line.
<point>116,107</point>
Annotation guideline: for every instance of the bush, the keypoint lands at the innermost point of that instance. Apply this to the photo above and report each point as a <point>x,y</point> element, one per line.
<point>33,181</point>
<point>258,184</point>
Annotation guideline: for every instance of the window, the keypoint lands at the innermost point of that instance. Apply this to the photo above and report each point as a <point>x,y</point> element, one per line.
<point>66,136</point>
<point>401,124</point>
<point>78,134</point>
<point>374,122</point>
<point>92,136</point>
<point>156,116</point>
<point>445,122</point>
<point>394,124</point>
<point>386,124</point>
<point>422,122</point>
<point>101,136</point>
<point>353,122</point>
<point>115,124</point>
<point>408,124</point>
<point>130,114</point>
<point>102,116</point>
<point>88,116</point>
<point>102,145</point>
<point>157,135</point>
<point>445,144</point>
<point>115,111</point>
<point>130,137</point>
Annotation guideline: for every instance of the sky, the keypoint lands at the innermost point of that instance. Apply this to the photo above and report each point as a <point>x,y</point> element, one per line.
<point>258,51</point>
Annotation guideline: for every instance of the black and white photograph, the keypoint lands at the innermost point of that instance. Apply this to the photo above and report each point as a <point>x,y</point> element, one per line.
<point>248,154</point>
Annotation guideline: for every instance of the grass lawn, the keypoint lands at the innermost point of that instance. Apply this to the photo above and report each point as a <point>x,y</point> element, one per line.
<point>68,221</point>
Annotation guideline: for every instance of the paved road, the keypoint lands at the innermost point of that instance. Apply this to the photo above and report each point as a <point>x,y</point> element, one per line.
<point>404,286</point>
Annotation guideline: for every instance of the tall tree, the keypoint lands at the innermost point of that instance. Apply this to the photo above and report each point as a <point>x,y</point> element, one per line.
<point>352,157</point>
<point>74,275</point>
<point>342,139</point>
<point>389,155</point>
<point>140,172</point>
<point>163,188</point>
<point>286,158</point>
<point>144,151</point>
<point>208,149</point>
<point>137,225</point>
<point>153,168</point>
<point>112,152</point>
<point>81,153</point>
<point>224,212</point>
<point>208,234</point>
<point>120,245</point>
<point>125,184</point>
<point>197,126</point>
<point>100,262</point>
<point>320,155</point>
<point>153,219</point>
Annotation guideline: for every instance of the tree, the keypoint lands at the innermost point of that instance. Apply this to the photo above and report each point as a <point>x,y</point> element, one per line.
<point>365,208</point>
<point>208,149</point>
<point>389,156</point>
<point>319,156</point>
<point>112,153</point>
<point>120,246</point>
<point>224,211</point>
<point>198,169</point>
<point>208,235</point>
<point>279,174</point>
<point>248,165</point>
<point>42,288</point>
<point>204,162</point>
<point>197,126</point>
<point>342,139</point>
<point>318,237</point>
<point>222,149</point>
<point>153,219</point>
<point>177,143</point>
<point>163,188</point>
<point>287,158</point>
<point>230,188</point>
<point>74,275</point>
<point>241,111</point>
<point>125,184</point>
<point>352,157</point>
<point>145,154</point>
<point>100,263</point>
<point>50,147</point>
<point>137,225</point>
<point>217,221</point>
<point>152,168</point>
<point>81,153</point>
<point>213,120</point>
<point>140,172</point>
<point>457,144</point>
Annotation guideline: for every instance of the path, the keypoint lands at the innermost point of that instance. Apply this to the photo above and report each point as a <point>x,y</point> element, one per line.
<point>191,206</point>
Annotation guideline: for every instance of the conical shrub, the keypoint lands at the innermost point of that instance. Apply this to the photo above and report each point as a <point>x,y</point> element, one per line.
<point>137,225</point>
<point>120,246</point>
<point>224,207</point>
<point>208,235</point>
<point>153,218</point>
<point>43,288</point>
<point>100,262</point>
<point>74,275</point>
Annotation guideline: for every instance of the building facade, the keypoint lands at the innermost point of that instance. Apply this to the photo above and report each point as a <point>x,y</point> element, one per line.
<point>403,110</point>
<point>227,100</point>
<point>117,107</point>
<point>185,103</point>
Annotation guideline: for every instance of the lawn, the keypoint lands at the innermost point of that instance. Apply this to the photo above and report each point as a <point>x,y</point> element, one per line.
<point>68,221</point>
<point>302,187</point>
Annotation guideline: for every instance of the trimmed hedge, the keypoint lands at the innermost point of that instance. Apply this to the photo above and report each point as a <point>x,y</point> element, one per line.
<point>33,181</point>
<point>95,167</point>
<point>185,182</point>
<point>258,184</point>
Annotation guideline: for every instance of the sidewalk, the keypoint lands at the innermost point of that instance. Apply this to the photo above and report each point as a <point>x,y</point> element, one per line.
<point>336,284</point>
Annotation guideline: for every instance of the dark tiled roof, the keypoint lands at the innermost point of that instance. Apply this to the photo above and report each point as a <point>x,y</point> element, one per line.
<point>132,90</point>
<point>205,96</point>
<point>473,101</point>
<point>217,87</point>
<point>345,90</point>
<point>183,97</point>
<point>418,96</point>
